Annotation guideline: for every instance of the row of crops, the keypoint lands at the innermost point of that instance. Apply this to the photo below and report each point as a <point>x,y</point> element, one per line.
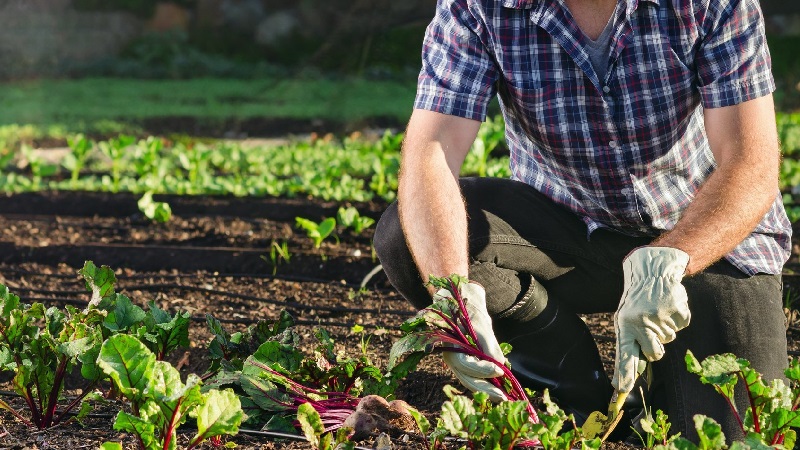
<point>262,378</point>
<point>351,169</point>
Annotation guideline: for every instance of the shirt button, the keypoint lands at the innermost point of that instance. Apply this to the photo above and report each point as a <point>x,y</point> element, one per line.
<point>612,144</point>
<point>606,89</point>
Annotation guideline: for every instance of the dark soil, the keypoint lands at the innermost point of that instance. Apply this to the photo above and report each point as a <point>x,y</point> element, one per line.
<point>212,258</point>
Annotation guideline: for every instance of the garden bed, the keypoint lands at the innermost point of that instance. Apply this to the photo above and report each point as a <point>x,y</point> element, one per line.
<point>213,258</point>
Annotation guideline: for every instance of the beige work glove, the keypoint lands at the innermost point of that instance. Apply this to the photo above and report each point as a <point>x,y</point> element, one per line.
<point>653,308</point>
<point>471,371</point>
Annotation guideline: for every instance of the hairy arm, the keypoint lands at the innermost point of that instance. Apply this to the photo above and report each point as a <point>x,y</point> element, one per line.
<point>741,190</point>
<point>432,211</point>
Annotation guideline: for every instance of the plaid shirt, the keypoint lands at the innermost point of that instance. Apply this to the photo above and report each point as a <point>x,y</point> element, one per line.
<point>629,151</point>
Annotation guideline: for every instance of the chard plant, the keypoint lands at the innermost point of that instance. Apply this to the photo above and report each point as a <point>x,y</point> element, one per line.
<point>350,218</point>
<point>42,346</point>
<point>162,333</point>
<point>157,330</point>
<point>160,401</point>
<point>445,326</point>
<point>317,232</point>
<point>229,350</point>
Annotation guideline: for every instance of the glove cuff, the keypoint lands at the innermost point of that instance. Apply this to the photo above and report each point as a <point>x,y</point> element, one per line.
<point>474,296</point>
<point>648,262</point>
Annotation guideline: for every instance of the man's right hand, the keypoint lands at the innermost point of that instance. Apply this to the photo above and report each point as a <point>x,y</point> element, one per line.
<point>471,371</point>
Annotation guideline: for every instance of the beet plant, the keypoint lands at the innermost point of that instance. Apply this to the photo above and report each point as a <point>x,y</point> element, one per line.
<point>315,432</point>
<point>505,425</point>
<point>445,327</point>
<point>42,346</point>
<point>275,378</point>
<point>161,401</point>
<point>771,416</point>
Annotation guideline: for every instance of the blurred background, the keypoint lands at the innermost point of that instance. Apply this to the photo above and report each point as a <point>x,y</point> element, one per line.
<point>237,68</point>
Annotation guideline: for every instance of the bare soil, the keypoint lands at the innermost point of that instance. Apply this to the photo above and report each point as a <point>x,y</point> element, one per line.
<point>213,258</point>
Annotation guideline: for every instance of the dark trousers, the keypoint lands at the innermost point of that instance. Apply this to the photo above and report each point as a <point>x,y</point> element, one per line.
<point>530,253</point>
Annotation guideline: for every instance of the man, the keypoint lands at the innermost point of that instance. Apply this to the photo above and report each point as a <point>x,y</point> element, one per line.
<point>644,160</point>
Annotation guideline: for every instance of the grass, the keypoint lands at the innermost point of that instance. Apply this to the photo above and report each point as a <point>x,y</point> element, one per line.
<point>85,104</point>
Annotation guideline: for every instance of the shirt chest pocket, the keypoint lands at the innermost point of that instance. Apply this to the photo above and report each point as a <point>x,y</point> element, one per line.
<point>549,113</point>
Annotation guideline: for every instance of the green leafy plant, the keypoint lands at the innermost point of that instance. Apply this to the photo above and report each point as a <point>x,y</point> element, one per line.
<point>278,254</point>
<point>162,333</point>
<point>350,218</point>
<point>160,401</point>
<point>75,161</point>
<point>771,417</point>
<point>490,135</point>
<point>156,211</point>
<point>116,150</point>
<point>40,169</point>
<point>41,346</point>
<point>229,350</point>
<point>655,429</point>
<point>317,231</point>
<point>365,337</point>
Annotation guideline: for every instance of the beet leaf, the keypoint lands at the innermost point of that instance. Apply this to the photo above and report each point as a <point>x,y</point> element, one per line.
<point>160,401</point>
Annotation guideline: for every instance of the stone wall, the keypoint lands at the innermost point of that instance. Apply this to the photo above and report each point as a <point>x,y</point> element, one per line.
<point>42,37</point>
<point>47,37</point>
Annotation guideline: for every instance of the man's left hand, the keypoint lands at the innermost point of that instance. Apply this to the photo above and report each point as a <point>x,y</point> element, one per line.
<point>654,307</point>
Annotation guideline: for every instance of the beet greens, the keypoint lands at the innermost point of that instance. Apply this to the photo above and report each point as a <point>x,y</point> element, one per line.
<point>266,367</point>
<point>445,327</point>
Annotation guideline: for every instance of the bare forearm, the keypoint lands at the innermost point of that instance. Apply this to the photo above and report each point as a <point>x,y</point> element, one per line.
<point>727,208</point>
<point>434,219</point>
<point>736,196</point>
<point>432,211</point>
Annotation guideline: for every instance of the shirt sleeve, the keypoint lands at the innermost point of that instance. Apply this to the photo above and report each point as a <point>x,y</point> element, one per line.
<point>458,75</point>
<point>733,61</point>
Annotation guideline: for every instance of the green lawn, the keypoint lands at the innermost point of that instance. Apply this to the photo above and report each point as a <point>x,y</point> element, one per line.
<point>75,104</point>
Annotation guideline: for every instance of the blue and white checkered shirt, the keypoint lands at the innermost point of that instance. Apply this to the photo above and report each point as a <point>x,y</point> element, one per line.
<point>628,151</point>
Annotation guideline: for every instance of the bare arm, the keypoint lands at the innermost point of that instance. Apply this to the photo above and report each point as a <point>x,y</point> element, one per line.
<point>432,211</point>
<point>741,190</point>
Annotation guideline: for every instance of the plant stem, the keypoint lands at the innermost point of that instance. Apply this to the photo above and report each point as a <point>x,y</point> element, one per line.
<point>13,412</point>
<point>58,380</point>
<point>753,409</point>
<point>169,432</point>
<point>74,402</point>
<point>35,411</point>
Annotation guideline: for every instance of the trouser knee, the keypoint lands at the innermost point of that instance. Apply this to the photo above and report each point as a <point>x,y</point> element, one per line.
<point>395,257</point>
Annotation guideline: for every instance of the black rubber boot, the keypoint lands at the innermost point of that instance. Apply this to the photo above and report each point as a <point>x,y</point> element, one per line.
<point>555,351</point>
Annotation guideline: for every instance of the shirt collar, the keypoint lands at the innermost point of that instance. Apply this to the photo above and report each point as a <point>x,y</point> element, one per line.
<point>528,4</point>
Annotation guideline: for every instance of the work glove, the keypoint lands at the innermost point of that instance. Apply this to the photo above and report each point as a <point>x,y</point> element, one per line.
<point>471,371</point>
<point>653,308</point>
